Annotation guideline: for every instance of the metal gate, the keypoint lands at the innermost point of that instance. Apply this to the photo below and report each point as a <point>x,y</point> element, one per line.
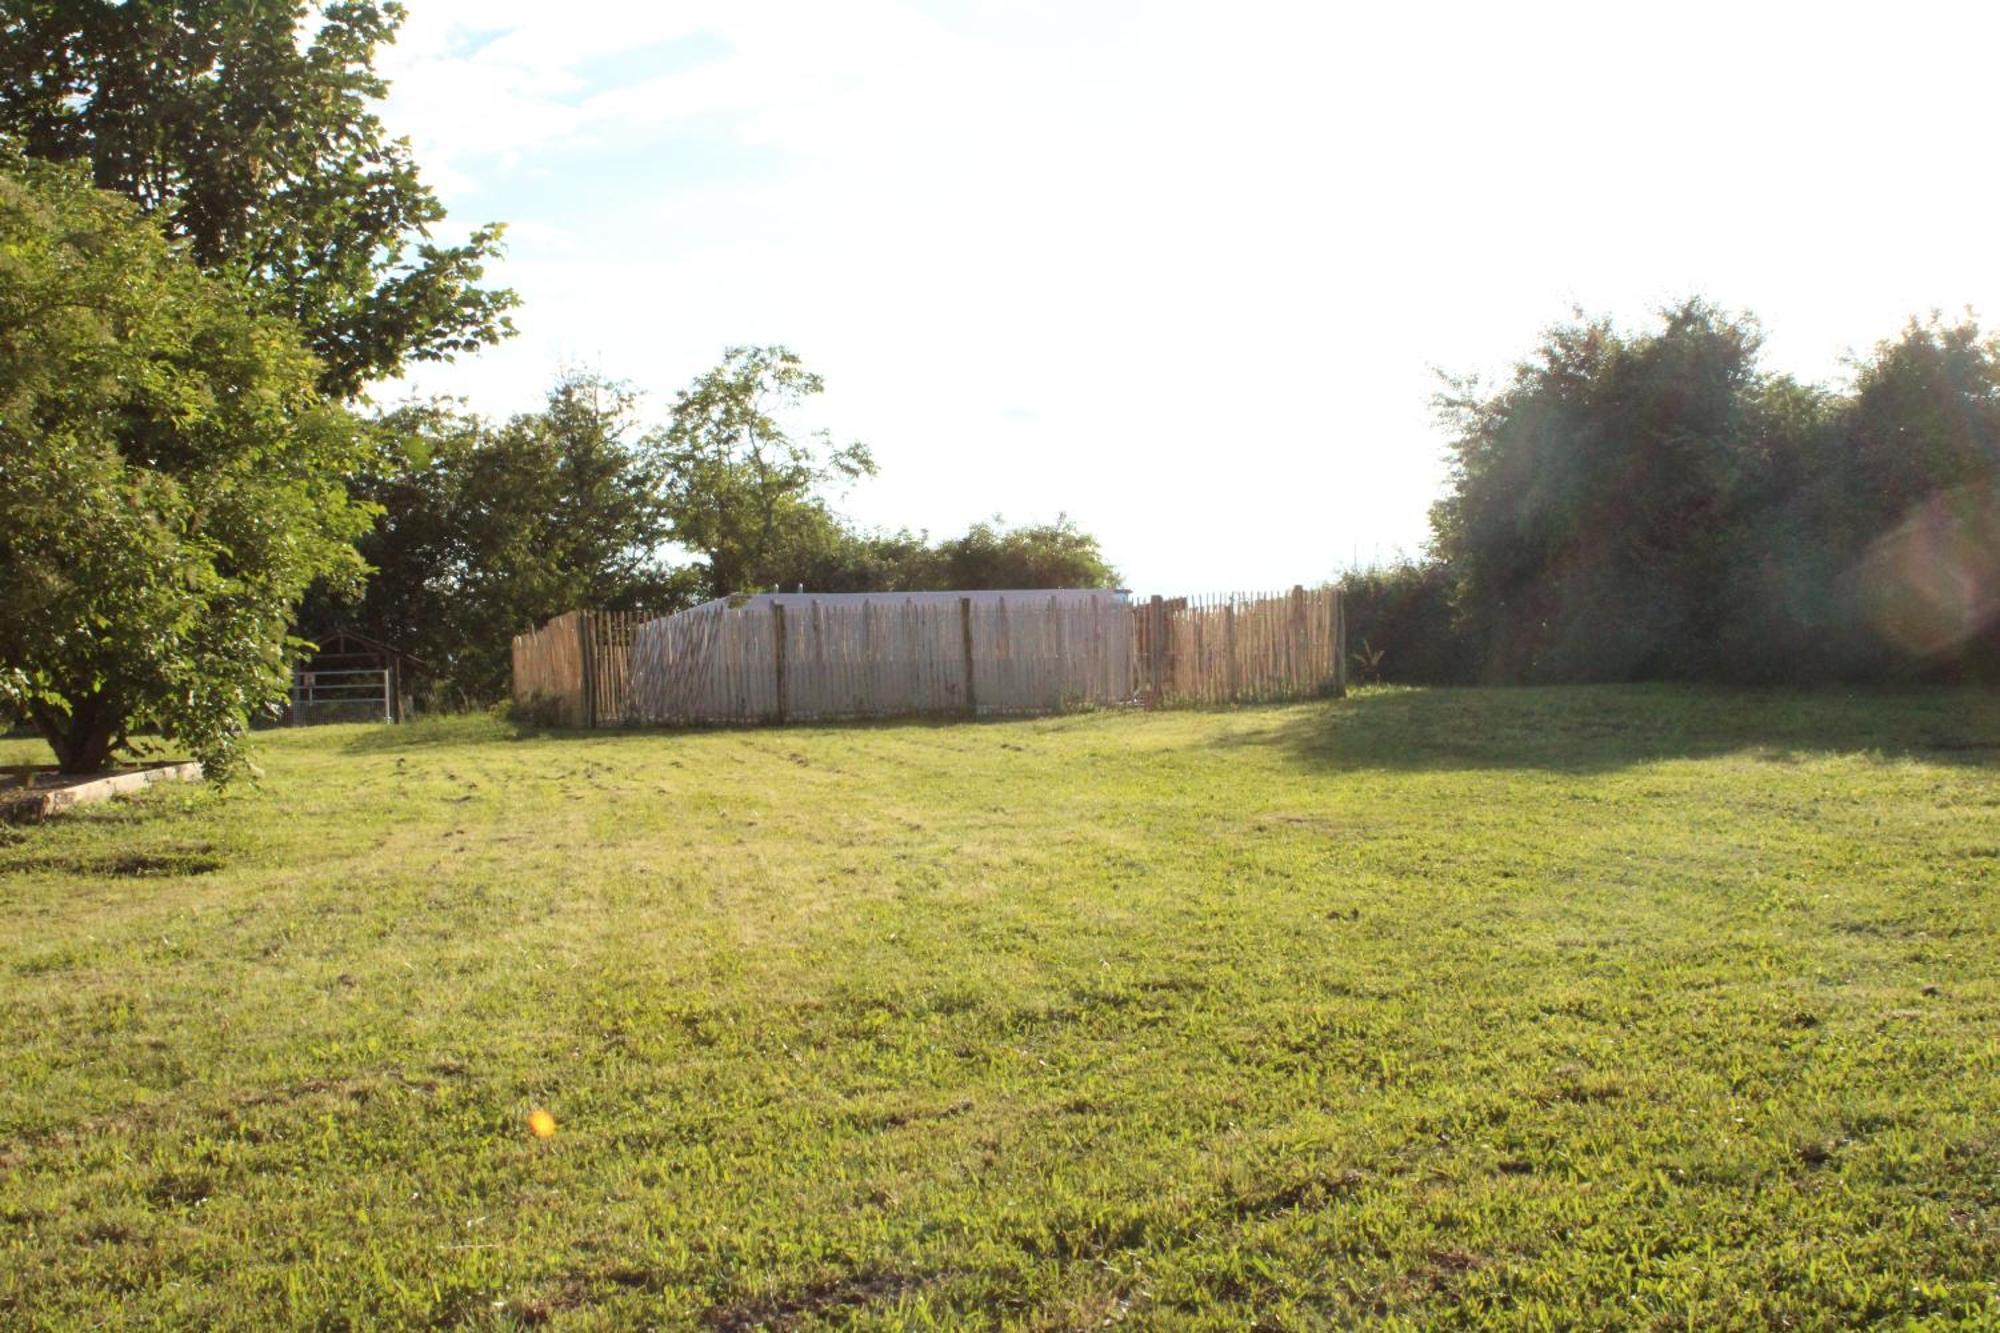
<point>359,695</point>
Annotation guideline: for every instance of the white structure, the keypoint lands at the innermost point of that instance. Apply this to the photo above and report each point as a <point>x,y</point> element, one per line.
<point>1065,597</point>
<point>795,657</point>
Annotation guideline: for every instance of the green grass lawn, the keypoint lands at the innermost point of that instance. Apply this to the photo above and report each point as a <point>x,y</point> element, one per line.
<point>1632,1007</point>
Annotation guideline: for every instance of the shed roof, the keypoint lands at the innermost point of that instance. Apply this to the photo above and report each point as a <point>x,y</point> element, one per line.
<point>335,642</point>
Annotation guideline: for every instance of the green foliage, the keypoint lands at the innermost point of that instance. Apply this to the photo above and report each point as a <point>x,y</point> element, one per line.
<point>990,555</point>
<point>1047,555</point>
<point>1419,1009</point>
<point>1592,498</point>
<point>1367,664</point>
<point>487,529</point>
<point>1656,506</point>
<point>849,560</point>
<point>248,125</point>
<point>1404,616</point>
<point>742,492</point>
<point>837,558</point>
<point>170,481</point>
<point>751,501</point>
<point>1911,515</point>
<point>1924,417</point>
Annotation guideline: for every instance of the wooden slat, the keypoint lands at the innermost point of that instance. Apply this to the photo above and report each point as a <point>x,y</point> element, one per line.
<point>880,658</point>
<point>1236,647</point>
<point>887,657</point>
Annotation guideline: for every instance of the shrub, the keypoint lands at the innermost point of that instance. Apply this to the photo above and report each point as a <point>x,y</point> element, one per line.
<point>1405,613</point>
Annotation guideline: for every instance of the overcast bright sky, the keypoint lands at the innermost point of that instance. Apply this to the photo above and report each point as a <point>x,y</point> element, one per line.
<point>1184,270</point>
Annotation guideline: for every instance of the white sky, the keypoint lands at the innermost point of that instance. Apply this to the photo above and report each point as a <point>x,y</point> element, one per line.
<point>1184,270</point>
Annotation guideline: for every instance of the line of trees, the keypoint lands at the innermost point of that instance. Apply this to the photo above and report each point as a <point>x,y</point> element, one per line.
<point>210,246</point>
<point>486,528</point>
<point>1659,506</point>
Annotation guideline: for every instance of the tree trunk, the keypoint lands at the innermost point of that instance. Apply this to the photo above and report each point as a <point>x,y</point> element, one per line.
<point>82,740</point>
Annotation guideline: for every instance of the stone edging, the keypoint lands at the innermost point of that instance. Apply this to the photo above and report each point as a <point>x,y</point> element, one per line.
<point>43,804</point>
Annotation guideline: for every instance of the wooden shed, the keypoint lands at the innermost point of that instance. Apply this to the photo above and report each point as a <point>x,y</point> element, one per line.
<point>353,678</point>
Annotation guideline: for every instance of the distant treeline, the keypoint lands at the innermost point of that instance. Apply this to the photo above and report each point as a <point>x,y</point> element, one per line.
<point>488,527</point>
<point>1658,507</point>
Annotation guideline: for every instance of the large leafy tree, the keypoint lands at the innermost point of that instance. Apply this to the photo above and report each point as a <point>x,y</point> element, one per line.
<point>1924,418</point>
<point>248,126</point>
<point>748,495</point>
<point>1591,497</point>
<point>171,479</point>
<point>1916,500</point>
<point>743,491</point>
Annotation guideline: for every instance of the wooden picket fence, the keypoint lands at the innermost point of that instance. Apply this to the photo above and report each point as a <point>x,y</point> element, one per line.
<point>549,674</point>
<point>802,659</point>
<point>798,658</point>
<point>1241,647</point>
<point>575,670</point>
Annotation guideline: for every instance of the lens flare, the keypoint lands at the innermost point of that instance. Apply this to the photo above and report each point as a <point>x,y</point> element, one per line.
<point>1933,582</point>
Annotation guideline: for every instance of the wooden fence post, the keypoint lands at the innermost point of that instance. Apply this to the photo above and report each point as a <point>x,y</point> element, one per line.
<point>965,633</point>
<point>1156,649</point>
<point>822,682</point>
<point>870,669</point>
<point>1229,649</point>
<point>778,655</point>
<point>1299,683</point>
<point>1339,616</point>
<point>587,715</point>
